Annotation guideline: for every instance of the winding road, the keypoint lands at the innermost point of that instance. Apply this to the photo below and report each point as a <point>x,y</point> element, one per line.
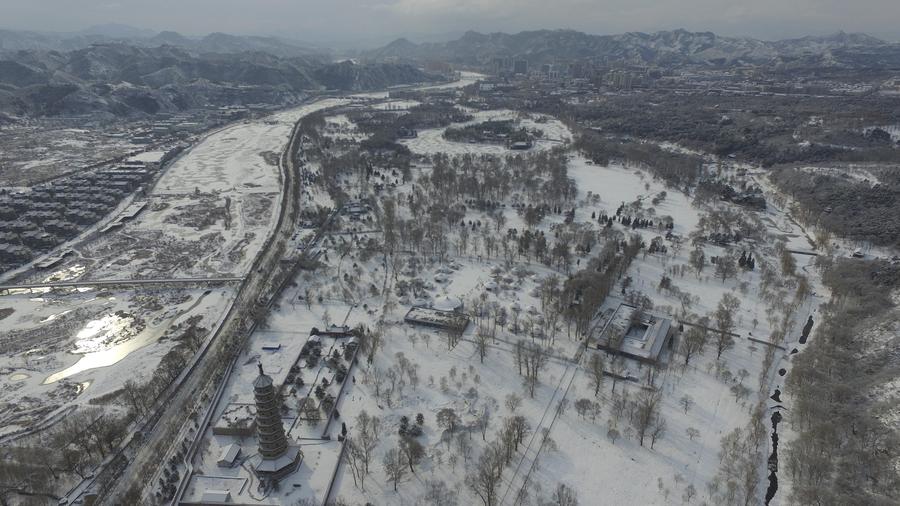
<point>140,455</point>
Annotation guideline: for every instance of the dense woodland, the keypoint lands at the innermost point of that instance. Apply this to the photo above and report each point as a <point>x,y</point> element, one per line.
<point>385,128</point>
<point>845,450</point>
<point>676,169</point>
<point>765,129</point>
<point>858,210</point>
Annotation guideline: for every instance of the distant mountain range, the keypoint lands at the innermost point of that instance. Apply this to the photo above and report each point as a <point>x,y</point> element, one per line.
<point>677,47</point>
<point>121,70</point>
<point>11,40</point>
<point>122,79</point>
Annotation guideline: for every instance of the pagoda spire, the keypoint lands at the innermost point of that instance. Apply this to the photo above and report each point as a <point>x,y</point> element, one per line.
<point>272,440</point>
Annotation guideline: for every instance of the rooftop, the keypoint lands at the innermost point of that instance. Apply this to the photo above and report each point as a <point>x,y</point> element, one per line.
<point>643,334</point>
<point>449,320</point>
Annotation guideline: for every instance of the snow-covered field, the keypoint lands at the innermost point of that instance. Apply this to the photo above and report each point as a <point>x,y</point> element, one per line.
<point>617,185</point>
<point>230,160</point>
<point>431,141</point>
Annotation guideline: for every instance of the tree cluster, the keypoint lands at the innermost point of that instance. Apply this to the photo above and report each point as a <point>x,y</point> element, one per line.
<point>845,452</point>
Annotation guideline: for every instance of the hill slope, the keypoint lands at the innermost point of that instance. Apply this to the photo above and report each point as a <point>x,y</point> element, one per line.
<point>123,79</point>
<point>13,40</point>
<point>677,47</point>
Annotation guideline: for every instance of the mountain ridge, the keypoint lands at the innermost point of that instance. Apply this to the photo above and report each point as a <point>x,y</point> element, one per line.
<point>671,47</point>
<point>216,42</point>
<point>124,80</point>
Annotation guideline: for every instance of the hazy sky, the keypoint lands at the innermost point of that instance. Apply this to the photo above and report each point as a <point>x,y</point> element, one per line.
<point>349,20</point>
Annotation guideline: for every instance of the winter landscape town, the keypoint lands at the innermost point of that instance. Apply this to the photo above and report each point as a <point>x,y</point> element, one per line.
<point>546,268</point>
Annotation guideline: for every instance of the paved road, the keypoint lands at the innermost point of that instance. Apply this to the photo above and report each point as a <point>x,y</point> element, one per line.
<point>517,484</point>
<point>143,456</point>
<point>140,459</point>
<point>121,282</point>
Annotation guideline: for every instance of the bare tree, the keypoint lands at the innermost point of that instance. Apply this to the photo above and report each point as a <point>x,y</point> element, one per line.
<point>686,402</point>
<point>739,466</point>
<point>697,259</point>
<point>535,360</point>
<point>726,267</point>
<point>464,446</point>
<point>513,402</point>
<point>519,355</point>
<point>518,428</point>
<point>412,450</point>
<point>788,264</point>
<point>583,406</point>
<point>689,492</point>
<point>749,479</point>
<point>564,495</point>
<point>596,372</point>
<point>613,434</point>
<point>134,398</point>
<point>355,458</point>
<point>725,320</point>
<point>646,406</point>
<point>483,422</point>
<point>438,494</point>
<point>366,436</point>
<point>370,342</point>
<point>448,419</point>
<point>693,342</point>
<point>482,337</point>
<point>617,369</point>
<point>394,464</point>
<point>657,429</point>
<point>485,478</point>
<point>392,376</point>
<point>562,406</point>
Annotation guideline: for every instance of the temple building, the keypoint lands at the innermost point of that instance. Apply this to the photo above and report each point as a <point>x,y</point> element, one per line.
<point>277,458</point>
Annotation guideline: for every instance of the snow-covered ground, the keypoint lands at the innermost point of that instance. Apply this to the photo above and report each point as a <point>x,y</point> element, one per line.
<point>465,79</point>
<point>339,127</point>
<point>288,327</point>
<point>230,160</point>
<point>616,185</point>
<point>65,349</point>
<point>431,141</point>
<point>208,216</point>
<point>148,156</point>
<point>722,392</point>
<point>209,213</point>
